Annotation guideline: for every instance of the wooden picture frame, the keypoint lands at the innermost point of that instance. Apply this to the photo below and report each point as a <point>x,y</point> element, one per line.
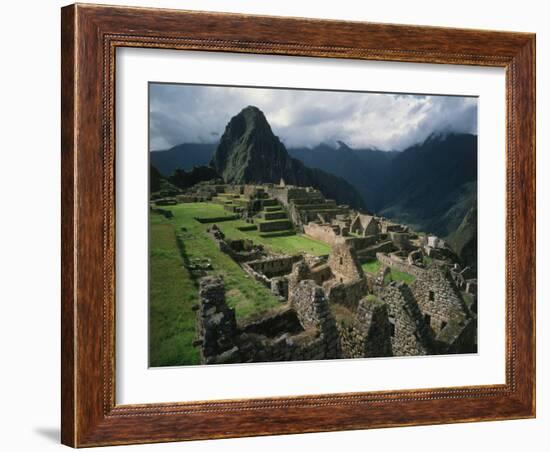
<point>90,36</point>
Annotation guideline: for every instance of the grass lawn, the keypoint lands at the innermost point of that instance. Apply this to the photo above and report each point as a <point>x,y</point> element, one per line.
<point>171,295</point>
<point>173,290</point>
<point>372,266</point>
<point>288,244</point>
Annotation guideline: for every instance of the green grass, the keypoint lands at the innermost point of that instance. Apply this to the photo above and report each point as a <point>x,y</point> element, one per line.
<point>172,294</point>
<point>372,266</point>
<point>275,241</point>
<point>396,275</point>
<point>173,289</point>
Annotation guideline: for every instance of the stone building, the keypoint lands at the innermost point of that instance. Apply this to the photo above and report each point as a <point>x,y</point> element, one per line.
<point>324,232</point>
<point>343,262</point>
<point>444,310</point>
<point>366,331</point>
<point>365,225</point>
<point>410,335</point>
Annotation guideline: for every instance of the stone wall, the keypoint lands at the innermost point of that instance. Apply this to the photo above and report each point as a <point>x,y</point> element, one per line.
<point>411,336</point>
<point>365,225</point>
<point>323,232</point>
<point>453,325</point>
<point>348,294</point>
<point>360,243</point>
<point>274,225</point>
<point>439,298</point>
<point>304,330</point>
<point>343,262</point>
<point>320,274</point>
<point>273,323</point>
<point>398,264</point>
<point>370,251</point>
<point>458,337</point>
<point>216,324</point>
<point>240,251</point>
<point>368,333</point>
<point>273,266</point>
<point>312,308</point>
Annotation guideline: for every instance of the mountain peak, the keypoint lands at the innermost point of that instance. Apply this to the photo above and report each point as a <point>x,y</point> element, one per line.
<point>252,110</point>
<point>252,116</point>
<point>249,121</point>
<point>249,152</point>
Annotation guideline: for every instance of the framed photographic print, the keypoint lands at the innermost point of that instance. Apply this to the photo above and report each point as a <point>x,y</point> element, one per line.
<point>282,225</point>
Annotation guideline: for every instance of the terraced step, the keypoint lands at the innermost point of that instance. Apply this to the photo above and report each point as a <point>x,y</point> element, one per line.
<point>269,202</point>
<point>273,208</point>
<point>329,205</point>
<point>221,200</point>
<point>278,215</point>
<point>274,225</point>
<point>285,233</point>
<point>248,227</point>
<point>232,208</point>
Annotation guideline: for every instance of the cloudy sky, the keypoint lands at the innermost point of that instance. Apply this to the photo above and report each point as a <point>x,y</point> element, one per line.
<point>199,114</point>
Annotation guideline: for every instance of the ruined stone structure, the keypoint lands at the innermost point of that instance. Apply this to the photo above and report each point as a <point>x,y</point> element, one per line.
<point>330,307</point>
<point>368,333</point>
<point>347,294</point>
<point>344,264</point>
<point>410,335</point>
<point>393,261</point>
<point>365,225</point>
<point>270,271</point>
<point>304,330</point>
<point>444,310</point>
<point>240,251</point>
<point>324,232</point>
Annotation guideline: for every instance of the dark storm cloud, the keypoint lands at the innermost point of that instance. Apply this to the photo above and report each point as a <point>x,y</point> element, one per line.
<point>193,113</point>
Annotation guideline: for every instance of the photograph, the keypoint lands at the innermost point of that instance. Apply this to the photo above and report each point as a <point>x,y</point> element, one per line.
<point>292,224</point>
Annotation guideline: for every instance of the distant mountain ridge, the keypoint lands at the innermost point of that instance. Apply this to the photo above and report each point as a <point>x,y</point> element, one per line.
<point>432,185</point>
<point>183,156</point>
<point>249,152</point>
<point>363,168</point>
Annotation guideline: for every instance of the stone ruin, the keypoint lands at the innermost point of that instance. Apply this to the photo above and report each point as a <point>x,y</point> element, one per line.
<point>331,308</point>
<point>343,263</point>
<point>303,330</point>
